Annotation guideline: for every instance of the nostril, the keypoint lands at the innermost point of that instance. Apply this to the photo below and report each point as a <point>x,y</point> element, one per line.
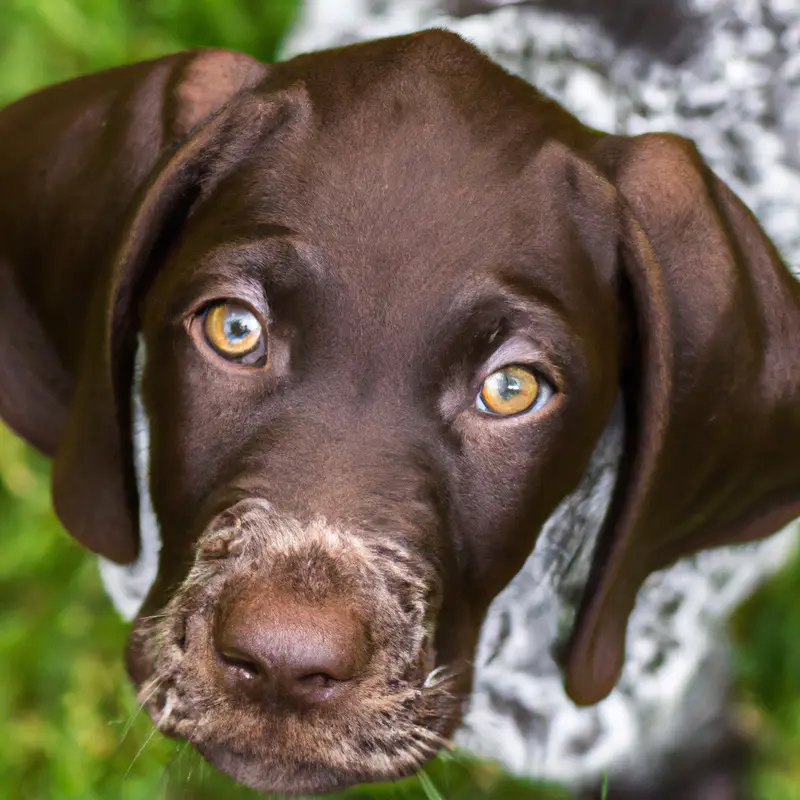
<point>244,666</point>
<point>319,680</point>
<point>313,688</point>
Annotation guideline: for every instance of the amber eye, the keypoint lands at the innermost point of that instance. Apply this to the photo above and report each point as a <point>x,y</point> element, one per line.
<point>235,333</point>
<point>510,391</point>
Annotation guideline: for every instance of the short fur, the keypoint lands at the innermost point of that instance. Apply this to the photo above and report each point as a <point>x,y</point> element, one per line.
<point>409,217</point>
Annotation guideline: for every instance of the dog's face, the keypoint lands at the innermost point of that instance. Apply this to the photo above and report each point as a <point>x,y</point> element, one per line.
<point>388,297</point>
<point>374,365</point>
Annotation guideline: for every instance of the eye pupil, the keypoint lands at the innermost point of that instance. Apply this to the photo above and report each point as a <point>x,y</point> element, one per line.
<point>237,328</point>
<point>506,385</point>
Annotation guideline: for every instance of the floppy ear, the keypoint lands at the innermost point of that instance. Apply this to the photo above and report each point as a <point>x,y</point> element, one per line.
<point>92,185</point>
<point>712,388</point>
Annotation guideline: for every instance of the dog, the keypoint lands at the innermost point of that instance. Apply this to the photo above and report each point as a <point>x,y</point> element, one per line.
<point>356,335</point>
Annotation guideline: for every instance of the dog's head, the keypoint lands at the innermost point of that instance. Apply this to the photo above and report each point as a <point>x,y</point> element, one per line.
<point>388,297</point>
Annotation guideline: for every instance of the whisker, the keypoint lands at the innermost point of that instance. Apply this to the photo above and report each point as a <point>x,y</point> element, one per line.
<point>153,683</point>
<point>153,617</point>
<point>173,767</point>
<point>167,713</point>
<point>139,752</point>
<point>151,690</point>
<point>439,674</point>
<point>417,755</point>
<point>433,738</point>
<point>169,707</point>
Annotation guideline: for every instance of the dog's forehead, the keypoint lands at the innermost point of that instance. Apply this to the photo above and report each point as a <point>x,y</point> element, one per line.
<point>417,151</point>
<point>424,125</point>
<point>407,163</point>
<point>380,79</point>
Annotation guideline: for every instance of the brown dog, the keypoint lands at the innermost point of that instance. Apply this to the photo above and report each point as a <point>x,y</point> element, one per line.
<point>389,296</point>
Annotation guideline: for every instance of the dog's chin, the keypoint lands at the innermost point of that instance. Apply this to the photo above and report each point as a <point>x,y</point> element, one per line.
<point>367,740</point>
<point>378,736</point>
<point>290,777</point>
<point>330,754</point>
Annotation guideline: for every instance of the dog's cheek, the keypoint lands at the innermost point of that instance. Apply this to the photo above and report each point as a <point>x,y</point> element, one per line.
<point>510,478</point>
<point>499,496</point>
<point>200,420</point>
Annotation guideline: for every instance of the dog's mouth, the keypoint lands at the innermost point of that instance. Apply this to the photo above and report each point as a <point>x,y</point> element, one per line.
<point>297,658</point>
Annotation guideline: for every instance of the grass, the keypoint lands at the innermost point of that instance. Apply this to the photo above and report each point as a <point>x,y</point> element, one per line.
<point>43,41</point>
<point>71,727</point>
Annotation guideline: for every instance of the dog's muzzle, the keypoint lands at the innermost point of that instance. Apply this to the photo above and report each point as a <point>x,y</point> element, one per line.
<point>299,657</point>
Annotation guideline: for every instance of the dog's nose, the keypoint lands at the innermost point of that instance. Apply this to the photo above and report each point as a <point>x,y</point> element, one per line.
<point>287,649</point>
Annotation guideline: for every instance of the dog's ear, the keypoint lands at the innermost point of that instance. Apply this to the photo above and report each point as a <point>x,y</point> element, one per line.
<point>711,385</point>
<point>96,172</point>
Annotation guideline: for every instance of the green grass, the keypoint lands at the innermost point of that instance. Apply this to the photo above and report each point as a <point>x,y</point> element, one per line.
<point>68,718</point>
<point>43,41</point>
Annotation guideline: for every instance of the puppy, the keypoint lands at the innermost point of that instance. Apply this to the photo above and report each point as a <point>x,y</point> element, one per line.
<point>350,337</point>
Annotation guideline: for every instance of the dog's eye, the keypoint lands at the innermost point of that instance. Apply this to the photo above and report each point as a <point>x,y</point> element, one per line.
<point>512,390</point>
<point>235,333</point>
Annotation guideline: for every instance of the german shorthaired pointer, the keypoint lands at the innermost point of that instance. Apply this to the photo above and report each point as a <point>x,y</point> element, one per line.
<point>383,386</point>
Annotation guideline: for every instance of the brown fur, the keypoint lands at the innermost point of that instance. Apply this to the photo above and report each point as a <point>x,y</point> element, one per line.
<point>409,217</point>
